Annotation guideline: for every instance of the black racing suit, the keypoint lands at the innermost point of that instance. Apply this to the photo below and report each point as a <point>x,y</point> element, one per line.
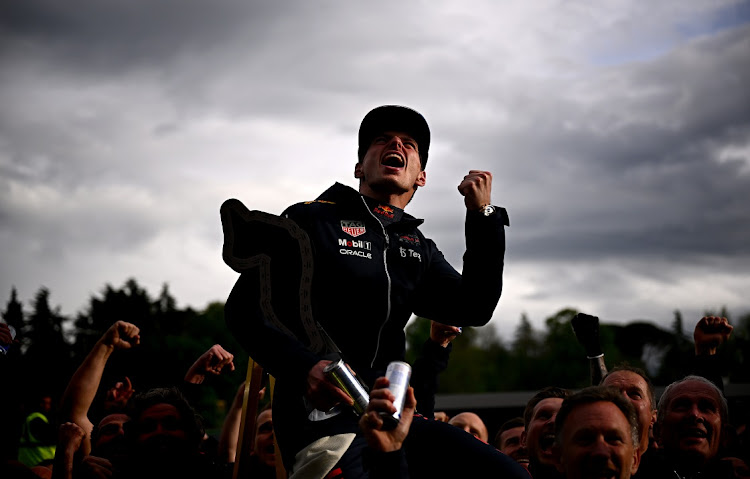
<point>368,280</point>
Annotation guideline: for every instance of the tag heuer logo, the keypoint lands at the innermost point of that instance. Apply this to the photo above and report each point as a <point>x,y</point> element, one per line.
<point>353,228</point>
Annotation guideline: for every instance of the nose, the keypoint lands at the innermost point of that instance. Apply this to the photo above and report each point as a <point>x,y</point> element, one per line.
<point>395,142</point>
<point>600,448</point>
<point>695,413</point>
<point>552,418</point>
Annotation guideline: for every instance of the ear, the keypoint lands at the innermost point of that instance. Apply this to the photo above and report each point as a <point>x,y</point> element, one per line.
<point>421,179</point>
<point>523,438</point>
<point>636,460</point>
<point>358,170</point>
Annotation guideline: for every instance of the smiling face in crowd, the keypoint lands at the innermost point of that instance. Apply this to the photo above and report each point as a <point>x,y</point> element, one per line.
<point>690,426</point>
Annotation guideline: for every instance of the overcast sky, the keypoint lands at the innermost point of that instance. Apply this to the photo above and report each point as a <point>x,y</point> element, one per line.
<point>618,133</point>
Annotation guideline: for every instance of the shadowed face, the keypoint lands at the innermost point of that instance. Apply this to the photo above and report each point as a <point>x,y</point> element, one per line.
<point>635,389</point>
<point>691,426</point>
<point>110,437</point>
<point>264,447</point>
<point>539,438</point>
<point>510,444</point>
<point>160,436</point>
<point>597,442</point>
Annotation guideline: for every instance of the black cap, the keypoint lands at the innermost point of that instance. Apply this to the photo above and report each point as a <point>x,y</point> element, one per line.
<point>394,118</point>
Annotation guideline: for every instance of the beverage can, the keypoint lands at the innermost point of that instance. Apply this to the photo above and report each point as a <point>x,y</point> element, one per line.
<point>339,374</point>
<point>398,374</point>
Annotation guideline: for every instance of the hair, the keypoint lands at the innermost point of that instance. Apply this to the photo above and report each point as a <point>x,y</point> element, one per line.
<point>641,373</point>
<point>507,425</point>
<point>191,421</point>
<point>595,394</point>
<point>546,393</point>
<point>666,398</point>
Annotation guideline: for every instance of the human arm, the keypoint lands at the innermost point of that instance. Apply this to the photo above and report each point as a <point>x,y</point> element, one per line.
<point>709,334</point>
<point>586,329</point>
<point>82,388</point>
<point>230,430</point>
<point>69,440</point>
<point>430,363</point>
<point>469,298</point>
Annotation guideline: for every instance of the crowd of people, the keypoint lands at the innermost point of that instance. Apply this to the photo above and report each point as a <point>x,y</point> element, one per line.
<point>337,279</point>
<point>618,428</point>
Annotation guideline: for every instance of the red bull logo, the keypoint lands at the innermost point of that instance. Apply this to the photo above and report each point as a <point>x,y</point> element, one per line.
<point>384,210</point>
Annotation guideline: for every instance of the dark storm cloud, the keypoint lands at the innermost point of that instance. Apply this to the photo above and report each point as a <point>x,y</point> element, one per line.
<point>632,166</point>
<point>125,124</point>
<point>113,37</point>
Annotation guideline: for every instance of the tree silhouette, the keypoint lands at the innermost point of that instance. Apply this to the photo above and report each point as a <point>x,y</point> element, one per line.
<point>172,338</point>
<point>13,314</point>
<point>47,357</point>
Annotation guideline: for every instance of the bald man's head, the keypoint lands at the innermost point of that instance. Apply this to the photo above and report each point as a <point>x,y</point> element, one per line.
<point>471,423</point>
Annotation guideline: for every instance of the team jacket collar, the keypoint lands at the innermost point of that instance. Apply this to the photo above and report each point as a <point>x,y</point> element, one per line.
<point>348,197</point>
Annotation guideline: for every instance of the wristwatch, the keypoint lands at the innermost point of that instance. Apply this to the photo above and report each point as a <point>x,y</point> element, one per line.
<point>487,210</point>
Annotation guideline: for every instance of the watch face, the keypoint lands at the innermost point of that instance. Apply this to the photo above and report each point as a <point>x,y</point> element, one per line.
<point>488,210</point>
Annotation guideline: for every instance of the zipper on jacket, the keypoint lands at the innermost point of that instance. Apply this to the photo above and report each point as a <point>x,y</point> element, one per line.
<point>388,278</point>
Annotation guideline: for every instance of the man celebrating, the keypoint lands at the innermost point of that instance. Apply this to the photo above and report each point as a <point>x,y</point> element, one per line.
<point>596,434</point>
<point>538,437</point>
<point>691,417</point>
<point>373,269</point>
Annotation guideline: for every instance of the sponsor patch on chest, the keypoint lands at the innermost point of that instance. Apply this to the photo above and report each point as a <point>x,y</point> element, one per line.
<point>409,239</point>
<point>409,253</point>
<point>353,228</point>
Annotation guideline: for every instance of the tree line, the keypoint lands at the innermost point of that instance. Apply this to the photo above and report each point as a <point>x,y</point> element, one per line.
<point>52,346</point>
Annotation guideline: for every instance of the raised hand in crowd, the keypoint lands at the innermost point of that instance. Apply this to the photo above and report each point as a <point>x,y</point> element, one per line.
<point>214,361</point>
<point>586,329</point>
<point>230,430</point>
<point>710,333</point>
<point>119,395</point>
<point>81,390</point>
<point>69,438</point>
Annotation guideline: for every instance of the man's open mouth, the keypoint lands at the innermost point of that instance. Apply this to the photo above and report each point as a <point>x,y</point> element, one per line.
<point>696,432</point>
<point>546,442</point>
<point>394,160</point>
